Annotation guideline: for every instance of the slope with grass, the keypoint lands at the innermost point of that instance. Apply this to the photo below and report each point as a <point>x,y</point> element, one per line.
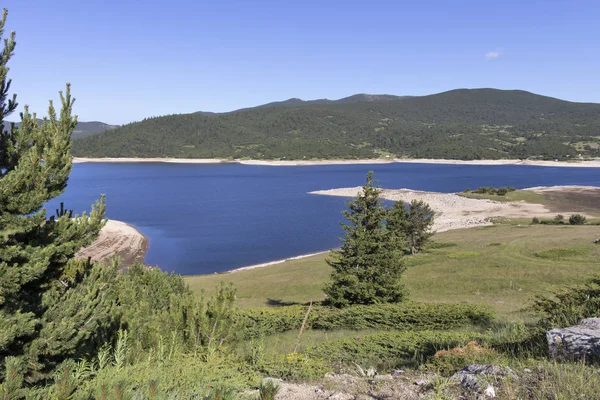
<point>502,266</point>
<point>459,124</point>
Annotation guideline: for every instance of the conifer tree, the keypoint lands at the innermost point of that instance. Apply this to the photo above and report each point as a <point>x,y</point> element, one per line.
<point>413,223</point>
<point>51,306</point>
<point>368,267</point>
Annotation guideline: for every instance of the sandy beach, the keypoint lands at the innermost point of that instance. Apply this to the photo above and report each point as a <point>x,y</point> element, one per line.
<point>117,237</point>
<point>276,262</point>
<point>298,163</point>
<point>457,212</point>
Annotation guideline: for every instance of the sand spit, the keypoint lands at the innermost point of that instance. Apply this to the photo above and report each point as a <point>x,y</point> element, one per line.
<point>563,188</point>
<point>117,237</point>
<point>298,163</point>
<point>454,211</point>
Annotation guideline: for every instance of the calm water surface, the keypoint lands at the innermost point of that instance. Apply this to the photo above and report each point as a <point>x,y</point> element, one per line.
<point>203,218</point>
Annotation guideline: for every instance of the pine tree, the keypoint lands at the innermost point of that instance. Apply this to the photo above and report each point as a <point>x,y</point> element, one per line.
<point>413,223</point>
<point>51,306</point>
<point>396,222</point>
<point>368,267</point>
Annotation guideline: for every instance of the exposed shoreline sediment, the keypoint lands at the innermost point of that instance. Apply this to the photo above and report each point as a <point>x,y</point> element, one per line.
<point>117,237</point>
<point>298,163</point>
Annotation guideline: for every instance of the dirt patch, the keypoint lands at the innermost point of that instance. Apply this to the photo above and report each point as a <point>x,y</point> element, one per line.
<point>563,198</point>
<point>456,212</point>
<point>117,238</point>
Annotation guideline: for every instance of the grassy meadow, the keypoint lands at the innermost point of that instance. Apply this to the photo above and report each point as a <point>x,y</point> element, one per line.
<point>502,266</point>
<point>558,201</point>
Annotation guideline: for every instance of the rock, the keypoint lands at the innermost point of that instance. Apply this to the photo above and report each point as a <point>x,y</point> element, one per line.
<point>478,369</point>
<point>396,372</point>
<point>590,323</point>
<point>422,382</point>
<point>527,370</point>
<point>470,382</point>
<point>576,342</point>
<point>489,392</point>
<point>469,377</point>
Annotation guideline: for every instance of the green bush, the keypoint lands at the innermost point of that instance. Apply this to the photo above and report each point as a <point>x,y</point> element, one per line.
<point>557,220</point>
<point>295,367</point>
<point>156,306</point>
<point>391,349</point>
<point>535,221</point>
<point>404,316</point>
<point>577,219</point>
<point>184,376</point>
<point>268,390</point>
<point>502,191</point>
<point>568,306</point>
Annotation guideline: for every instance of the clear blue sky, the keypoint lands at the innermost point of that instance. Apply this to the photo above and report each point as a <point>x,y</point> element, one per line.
<point>129,59</point>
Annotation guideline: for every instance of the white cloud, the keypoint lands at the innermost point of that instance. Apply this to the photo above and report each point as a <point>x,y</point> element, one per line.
<point>491,55</point>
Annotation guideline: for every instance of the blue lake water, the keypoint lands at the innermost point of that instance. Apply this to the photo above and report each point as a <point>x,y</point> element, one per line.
<point>204,218</point>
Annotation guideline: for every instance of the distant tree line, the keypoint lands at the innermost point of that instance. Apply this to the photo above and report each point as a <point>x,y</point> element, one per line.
<point>501,191</point>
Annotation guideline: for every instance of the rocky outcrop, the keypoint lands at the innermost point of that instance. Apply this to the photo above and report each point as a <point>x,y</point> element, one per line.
<point>475,378</point>
<point>576,342</point>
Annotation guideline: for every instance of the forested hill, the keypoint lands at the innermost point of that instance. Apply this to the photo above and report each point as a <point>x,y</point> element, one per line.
<point>84,129</point>
<point>459,124</point>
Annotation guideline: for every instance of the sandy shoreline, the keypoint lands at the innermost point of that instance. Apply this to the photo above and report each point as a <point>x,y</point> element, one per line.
<point>117,237</point>
<point>457,212</point>
<point>267,264</point>
<point>298,163</point>
<point>79,160</point>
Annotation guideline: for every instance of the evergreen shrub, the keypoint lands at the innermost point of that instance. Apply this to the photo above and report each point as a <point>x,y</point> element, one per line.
<point>403,316</point>
<point>392,349</point>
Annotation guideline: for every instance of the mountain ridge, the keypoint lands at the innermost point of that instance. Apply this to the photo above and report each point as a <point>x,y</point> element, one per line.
<point>84,128</point>
<point>481,123</point>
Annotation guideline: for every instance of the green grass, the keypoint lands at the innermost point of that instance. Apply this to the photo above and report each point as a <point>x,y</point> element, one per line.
<point>459,255</point>
<point>284,343</point>
<point>507,272</point>
<point>560,253</point>
<point>518,195</point>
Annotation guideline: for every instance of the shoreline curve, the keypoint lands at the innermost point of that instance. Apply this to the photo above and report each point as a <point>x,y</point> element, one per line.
<point>455,213</point>
<point>373,161</point>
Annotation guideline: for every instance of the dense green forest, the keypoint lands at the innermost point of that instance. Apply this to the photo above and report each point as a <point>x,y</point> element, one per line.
<point>459,124</point>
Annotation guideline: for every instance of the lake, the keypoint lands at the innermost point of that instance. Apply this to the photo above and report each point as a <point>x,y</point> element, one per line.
<point>205,218</point>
